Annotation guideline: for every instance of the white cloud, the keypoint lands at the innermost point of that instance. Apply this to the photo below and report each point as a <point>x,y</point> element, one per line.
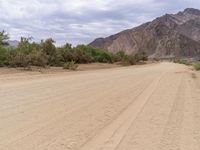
<point>78,21</point>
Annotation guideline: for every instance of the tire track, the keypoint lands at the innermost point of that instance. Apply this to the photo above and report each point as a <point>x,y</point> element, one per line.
<point>172,132</point>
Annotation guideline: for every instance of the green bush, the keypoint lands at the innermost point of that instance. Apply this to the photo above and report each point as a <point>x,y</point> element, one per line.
<point>49,49</point>
<point>37,58</point>
<point>70,65</point>
<point>119,56</point>
<point>45,53</point>
<point>3,57</point>
<point>27,54</point>
<point>93,54</point>
<point>129,60</point>
<point>197,66</point>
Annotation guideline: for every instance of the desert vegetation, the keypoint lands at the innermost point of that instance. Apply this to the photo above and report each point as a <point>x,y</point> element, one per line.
<point>130,59</point>
<point>197,66</point>
<point>45,53</point>
<point>183,61</point>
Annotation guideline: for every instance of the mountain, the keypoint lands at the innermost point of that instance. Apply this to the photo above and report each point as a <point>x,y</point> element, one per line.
<point>13,43</point>
<point>172,35</point>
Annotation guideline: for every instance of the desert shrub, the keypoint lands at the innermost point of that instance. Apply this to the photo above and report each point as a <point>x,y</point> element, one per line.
<point>37,58</point>
<point>22,55</point>
<point>68,55</point>
<point>95,54</point>
<point>29,53</point>
<point>20,59</point>
<point>141,56</point>
<point>3,51</point>
<point>119,56</point>
<point>3,57</point>
<point>49,49</point>
<point>129,60</point>
<point>183,61</point>
<point>37,55</point>
<point>138,57</point>
<point>70,65</point>
<point>103,57</point>
<point>197,66</point>
<point>82,56</point>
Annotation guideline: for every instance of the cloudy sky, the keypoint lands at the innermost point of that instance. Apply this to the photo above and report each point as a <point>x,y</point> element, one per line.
<point>81,21</point>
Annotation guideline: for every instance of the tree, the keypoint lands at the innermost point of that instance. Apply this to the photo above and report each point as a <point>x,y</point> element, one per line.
<point>3,38</point>
<point>67,46</point>
<point>49,49</point>
<point>24,44</point>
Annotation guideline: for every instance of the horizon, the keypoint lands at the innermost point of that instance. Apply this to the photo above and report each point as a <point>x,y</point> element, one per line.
<point>78,22</point>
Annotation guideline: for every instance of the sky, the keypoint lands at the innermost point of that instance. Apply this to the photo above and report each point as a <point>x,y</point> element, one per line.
<point>81,21</point>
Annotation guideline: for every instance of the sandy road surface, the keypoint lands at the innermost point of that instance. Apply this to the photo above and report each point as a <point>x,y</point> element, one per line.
<point>152,107</point>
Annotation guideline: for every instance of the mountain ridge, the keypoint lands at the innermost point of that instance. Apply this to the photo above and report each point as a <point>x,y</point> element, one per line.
<point>171,35</point>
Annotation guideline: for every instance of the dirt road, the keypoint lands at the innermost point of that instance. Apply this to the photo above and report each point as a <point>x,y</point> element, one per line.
<point>150,107</point>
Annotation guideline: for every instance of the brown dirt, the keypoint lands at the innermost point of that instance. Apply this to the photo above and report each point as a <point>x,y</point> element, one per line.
<point>150,107</point>
<point>50,70</point>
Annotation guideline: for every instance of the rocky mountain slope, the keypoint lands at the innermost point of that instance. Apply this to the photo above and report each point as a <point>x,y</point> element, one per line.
<point>172,35</point>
